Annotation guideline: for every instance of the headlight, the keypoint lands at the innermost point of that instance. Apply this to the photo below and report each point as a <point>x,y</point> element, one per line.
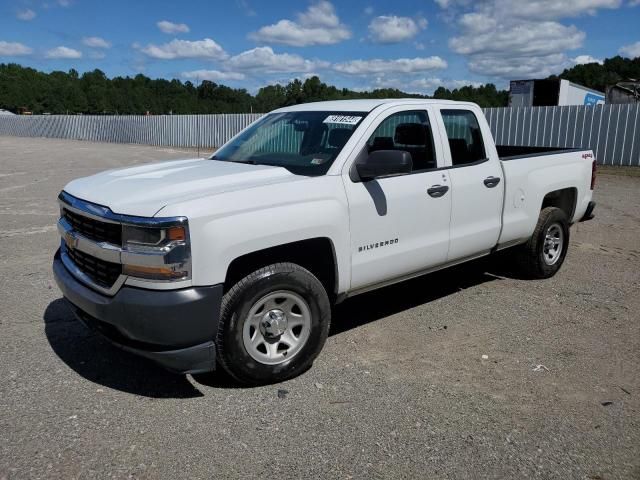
<point>156,253</point>
<point>142,238</point>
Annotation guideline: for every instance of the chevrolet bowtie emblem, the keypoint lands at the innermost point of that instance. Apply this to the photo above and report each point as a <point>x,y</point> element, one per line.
<point>71,240</point>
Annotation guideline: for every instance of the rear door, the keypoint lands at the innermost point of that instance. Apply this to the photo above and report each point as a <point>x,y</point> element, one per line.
<point>477,184</point>
<point>399,225</point>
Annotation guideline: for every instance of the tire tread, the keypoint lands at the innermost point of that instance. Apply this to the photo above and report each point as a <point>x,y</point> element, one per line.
<point>228,302</point>
<point>528,254</point>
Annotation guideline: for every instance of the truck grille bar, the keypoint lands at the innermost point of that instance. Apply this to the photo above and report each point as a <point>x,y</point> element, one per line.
<point>101,272</point>
<point>94,229</point>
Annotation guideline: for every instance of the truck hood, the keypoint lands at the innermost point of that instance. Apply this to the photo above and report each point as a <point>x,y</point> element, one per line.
<point>146,189</point>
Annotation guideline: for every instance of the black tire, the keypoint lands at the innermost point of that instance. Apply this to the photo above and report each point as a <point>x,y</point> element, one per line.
<point>530,257</point>
<point>232,355</point>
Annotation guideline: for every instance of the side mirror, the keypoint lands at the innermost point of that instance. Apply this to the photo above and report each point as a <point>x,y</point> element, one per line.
<point>382,163</point>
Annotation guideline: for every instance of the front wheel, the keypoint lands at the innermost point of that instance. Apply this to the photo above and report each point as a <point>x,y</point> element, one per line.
<point>273,324</point>
<point>543,255</point>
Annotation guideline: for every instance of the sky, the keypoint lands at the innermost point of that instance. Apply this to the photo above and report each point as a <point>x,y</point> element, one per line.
<point>412,45</point>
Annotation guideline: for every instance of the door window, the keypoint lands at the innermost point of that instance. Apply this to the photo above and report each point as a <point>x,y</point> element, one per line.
<point>409,131</point>
<point>465,138</point>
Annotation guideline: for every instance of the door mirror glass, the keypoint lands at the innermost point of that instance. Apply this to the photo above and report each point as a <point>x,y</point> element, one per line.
<point>383,163</point>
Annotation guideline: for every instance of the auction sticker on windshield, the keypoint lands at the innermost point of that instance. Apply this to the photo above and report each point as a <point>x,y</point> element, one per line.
<point>343,119</point>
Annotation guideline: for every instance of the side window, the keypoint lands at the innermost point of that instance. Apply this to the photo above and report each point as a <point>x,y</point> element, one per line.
<point>409,131</point>
<point>465,138</point>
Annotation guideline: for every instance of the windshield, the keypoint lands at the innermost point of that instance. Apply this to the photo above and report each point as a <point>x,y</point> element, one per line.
<point>305,143</point>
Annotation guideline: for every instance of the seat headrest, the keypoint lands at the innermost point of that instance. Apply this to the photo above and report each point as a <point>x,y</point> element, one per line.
<point>382,143</point>
<point>338,137</point>
<point>411,134</point>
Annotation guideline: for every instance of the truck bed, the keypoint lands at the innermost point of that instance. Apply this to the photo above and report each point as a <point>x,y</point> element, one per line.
<point>513,152</point>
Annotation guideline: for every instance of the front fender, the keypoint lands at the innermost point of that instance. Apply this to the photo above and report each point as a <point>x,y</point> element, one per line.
<point>227,226</point>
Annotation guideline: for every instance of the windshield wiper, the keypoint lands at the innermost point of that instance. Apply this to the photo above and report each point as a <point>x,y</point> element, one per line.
<point>249,162</point>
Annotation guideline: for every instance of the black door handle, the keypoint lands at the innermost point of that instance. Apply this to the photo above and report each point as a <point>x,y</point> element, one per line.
<point>491,182</point>
<point>437,190</point>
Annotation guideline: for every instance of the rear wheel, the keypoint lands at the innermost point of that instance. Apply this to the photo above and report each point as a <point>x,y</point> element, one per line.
<point>543,255</point>
<point>273,324</point>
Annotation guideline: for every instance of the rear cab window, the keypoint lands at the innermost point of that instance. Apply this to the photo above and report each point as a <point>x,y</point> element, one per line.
<point>464,136</point>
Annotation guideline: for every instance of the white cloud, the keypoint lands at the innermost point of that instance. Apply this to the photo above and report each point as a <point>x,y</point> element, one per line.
<point>26,15</point>
<point>12,49</point>
<point>244,5</point>
<point>318,25</point>
<point>584,59</point>
<point>171,28</point>
<point>401,65</point>
<point>553,9</point>
<point>369,10</point>
<point>533,9</point>
<point>214,75</point>
<point>205,48</point>
<point>96,42</point>
<point>264,59</point>
<point>64,3</point>
<point>631,51</point>
<point>63,52</point>
<point>393,29</point>
<point>450,4</point>
<point>519,38</point>
<point>430,84</point>
<point>421,85</point>
<point>519,68</point>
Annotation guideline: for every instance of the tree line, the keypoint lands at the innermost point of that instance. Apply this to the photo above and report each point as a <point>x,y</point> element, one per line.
<point>600,76</point>
<point>23,88</point>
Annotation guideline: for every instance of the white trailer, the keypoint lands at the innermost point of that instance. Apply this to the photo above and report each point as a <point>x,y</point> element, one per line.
<point>552,92</point>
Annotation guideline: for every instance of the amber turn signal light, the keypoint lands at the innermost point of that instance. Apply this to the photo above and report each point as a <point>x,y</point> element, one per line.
<point>176,234</point>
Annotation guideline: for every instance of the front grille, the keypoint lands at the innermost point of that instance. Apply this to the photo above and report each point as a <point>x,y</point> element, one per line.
<point>102,273</point>
<point>94,229</point>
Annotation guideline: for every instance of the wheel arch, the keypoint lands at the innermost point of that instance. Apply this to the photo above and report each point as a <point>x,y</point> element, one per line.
<point>565,199</point>
<point>318,255</point>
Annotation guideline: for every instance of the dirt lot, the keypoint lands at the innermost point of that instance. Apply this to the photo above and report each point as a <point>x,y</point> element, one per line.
<point>401,389</point>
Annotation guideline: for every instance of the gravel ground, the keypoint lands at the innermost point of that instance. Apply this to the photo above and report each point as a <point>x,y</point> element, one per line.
<point>401,390</point>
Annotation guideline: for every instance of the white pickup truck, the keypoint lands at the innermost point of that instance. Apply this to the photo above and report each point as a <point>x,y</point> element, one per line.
<point>235,260</point>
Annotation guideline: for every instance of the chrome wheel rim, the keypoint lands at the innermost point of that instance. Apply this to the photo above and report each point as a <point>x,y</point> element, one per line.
<point>553,243</point>
<point>277,327</point>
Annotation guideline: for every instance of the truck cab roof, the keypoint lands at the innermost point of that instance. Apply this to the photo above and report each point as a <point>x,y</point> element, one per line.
<point>364,105</point>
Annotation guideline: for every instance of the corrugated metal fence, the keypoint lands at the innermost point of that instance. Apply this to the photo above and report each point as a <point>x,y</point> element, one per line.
<point>168,130</point>
<point>611,131</point>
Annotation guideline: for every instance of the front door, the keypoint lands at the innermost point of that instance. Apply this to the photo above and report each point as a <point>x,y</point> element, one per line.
<point>400,224</point>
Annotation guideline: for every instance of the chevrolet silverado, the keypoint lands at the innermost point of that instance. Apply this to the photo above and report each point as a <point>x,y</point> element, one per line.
<point>234,261</point>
